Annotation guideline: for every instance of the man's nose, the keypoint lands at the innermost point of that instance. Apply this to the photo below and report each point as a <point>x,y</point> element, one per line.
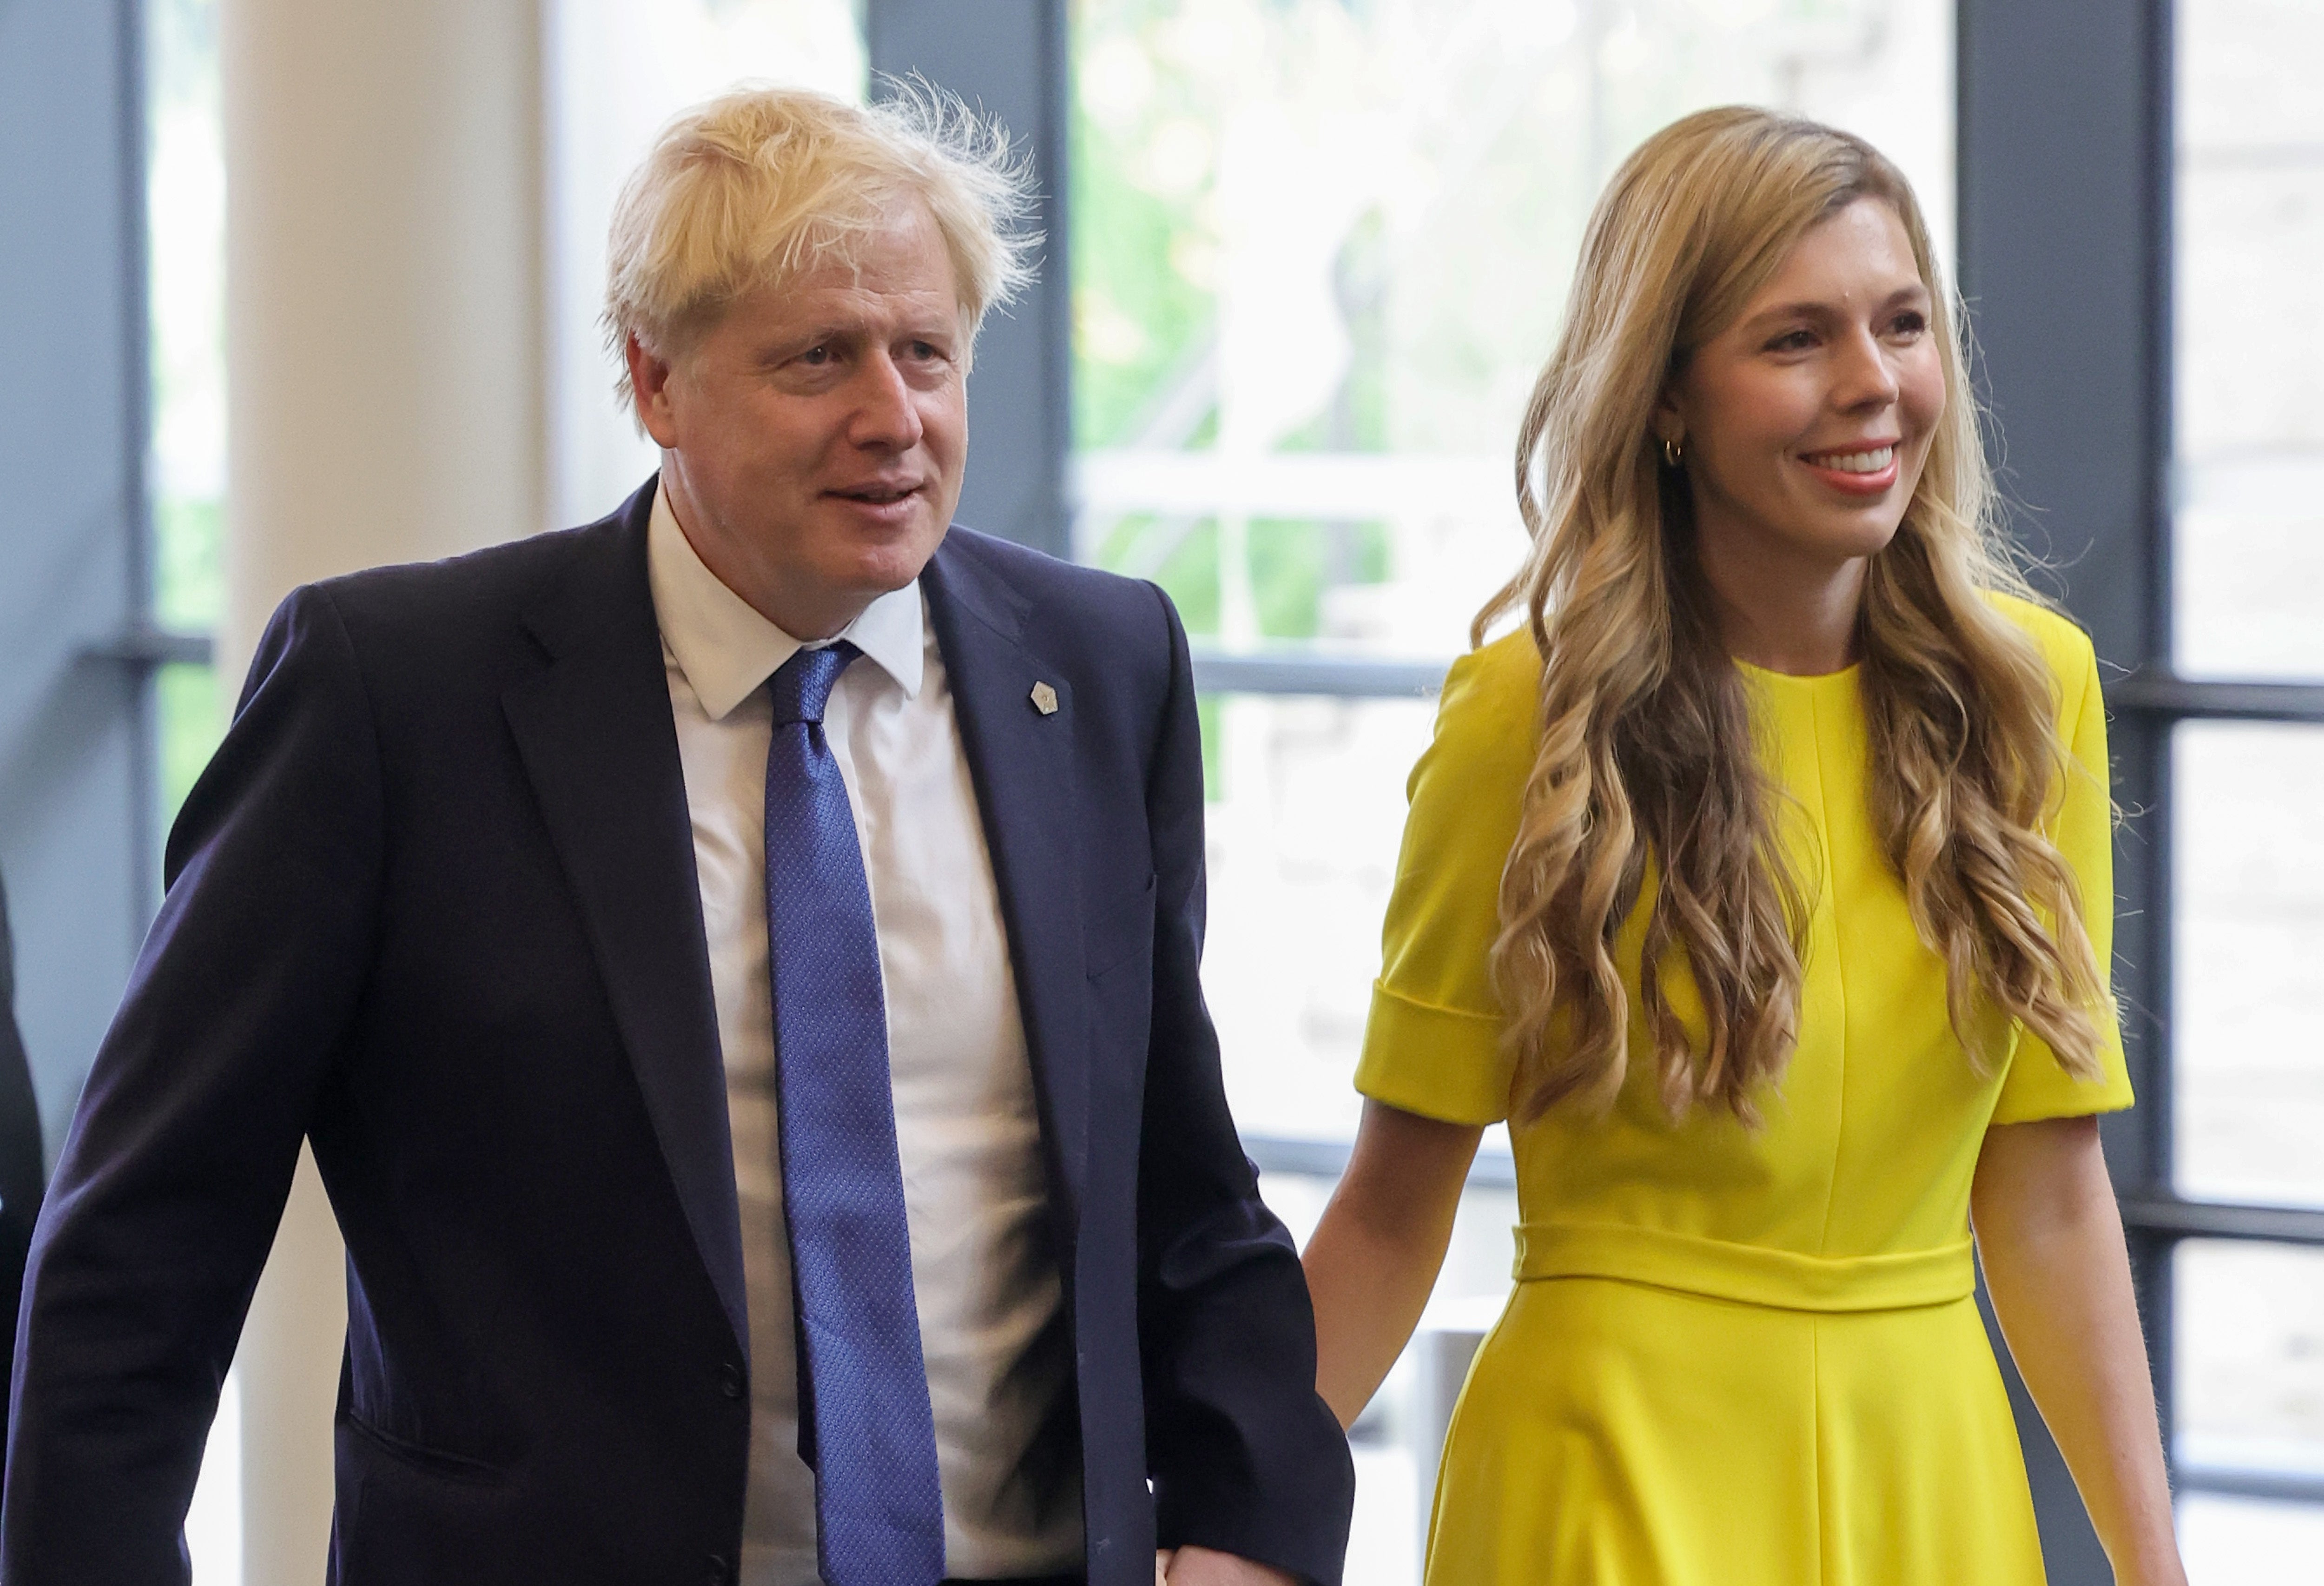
<point>885,416</point>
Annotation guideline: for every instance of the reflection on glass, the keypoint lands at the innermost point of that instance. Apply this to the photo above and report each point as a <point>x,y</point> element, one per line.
<point>617,69</point>
<point>2250,1358</point>
<point>2250,469</point>
<point>2249,881</point>
<point>1307,812</point>
<point>1320,250</point>
<point>2238,1541</point>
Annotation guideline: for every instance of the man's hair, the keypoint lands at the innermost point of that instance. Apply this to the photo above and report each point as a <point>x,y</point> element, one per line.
<point>762,185</point>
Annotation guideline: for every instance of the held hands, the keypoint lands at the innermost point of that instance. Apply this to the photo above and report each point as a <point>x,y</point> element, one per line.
<point>1201,1566</point>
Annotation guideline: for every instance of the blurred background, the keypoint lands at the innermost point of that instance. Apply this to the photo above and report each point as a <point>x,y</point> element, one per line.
<point>295,286</point>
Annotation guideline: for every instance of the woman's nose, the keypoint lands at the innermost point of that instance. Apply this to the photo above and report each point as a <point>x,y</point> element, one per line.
<point>1866,376</point>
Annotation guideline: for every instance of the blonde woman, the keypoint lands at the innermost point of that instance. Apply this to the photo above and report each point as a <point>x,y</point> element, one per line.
<point>1760,879</point>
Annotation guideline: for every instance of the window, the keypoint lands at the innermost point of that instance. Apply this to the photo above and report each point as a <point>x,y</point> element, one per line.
<point>1319,250</point>
<point>2244,594</point>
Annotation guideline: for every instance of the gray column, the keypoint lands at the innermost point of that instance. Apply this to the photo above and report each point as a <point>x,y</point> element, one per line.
<point>2065,129</point>
<point>76,828</point>
<point>1007,59</point>
<point>384,330</point>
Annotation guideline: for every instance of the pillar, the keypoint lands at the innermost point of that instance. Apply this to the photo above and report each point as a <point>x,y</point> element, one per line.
<point>385,332</point>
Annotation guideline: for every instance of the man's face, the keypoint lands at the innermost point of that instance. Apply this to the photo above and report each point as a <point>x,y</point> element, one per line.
<point>813,438</point>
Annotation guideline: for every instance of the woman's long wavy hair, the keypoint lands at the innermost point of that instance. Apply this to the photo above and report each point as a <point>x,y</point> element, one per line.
<point>1646,777</point>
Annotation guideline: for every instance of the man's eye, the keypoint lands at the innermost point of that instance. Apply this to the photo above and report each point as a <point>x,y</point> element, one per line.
<point>815,357</point>
<point>924,351</point>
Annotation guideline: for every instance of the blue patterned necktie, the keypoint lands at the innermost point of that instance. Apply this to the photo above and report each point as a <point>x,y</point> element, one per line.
<point>863,1385</point>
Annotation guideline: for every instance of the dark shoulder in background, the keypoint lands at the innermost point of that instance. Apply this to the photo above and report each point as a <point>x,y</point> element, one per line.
<point>20,1170</point>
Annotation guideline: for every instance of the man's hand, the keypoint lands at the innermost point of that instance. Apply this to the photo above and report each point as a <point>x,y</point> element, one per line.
<point>1201,1566</point>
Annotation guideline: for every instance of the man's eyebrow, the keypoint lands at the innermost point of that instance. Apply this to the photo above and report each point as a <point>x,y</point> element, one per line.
<point>783,345</point>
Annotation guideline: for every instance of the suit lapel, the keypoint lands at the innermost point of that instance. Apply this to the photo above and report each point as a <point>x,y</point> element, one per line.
<point>1021,761</point>
<point>598,743</point>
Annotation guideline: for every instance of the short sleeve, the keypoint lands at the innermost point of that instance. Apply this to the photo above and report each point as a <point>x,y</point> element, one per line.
<point>2036,1086</point>
<point>1432,1044</point>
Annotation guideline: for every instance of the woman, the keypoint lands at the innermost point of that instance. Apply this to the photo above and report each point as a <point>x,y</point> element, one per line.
<point>1760,878</point>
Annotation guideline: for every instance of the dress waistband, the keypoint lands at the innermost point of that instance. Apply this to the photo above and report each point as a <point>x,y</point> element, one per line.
<point>1753,1274</point>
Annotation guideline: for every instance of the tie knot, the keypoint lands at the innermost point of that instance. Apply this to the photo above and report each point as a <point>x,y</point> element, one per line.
<point>802,684</point>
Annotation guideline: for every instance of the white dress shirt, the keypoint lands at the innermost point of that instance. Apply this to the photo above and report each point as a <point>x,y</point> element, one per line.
<point>985,1276</point>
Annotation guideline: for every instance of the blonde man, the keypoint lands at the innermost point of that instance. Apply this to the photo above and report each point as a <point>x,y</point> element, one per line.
<point>737,964</point>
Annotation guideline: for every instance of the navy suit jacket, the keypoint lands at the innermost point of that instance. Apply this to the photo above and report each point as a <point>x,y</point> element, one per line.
<point>433,907</point>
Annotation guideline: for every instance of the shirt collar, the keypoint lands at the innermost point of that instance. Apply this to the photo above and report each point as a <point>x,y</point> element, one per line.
<point>726,649</point>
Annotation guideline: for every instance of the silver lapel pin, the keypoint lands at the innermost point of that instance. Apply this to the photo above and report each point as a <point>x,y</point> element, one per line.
<point>1044,699</point>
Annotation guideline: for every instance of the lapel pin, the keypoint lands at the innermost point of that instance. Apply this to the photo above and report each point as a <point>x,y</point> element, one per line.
<point>1044,699</point>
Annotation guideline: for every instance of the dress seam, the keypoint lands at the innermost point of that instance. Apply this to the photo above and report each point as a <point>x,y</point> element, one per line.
<point>1816,1451</point>
<point>1826,846</point>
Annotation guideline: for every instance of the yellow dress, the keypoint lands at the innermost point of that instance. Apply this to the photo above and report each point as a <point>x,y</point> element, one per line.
<point>1733,1358</point>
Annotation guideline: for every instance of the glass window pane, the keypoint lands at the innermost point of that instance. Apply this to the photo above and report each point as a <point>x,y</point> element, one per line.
<point>2237,1541</point>
<point>2250,1358</point>
<point>1307,808</point>
<point>2249,477</point>
<point>2249,954</point>
<point>185,227</point>
<point>1320,249</point>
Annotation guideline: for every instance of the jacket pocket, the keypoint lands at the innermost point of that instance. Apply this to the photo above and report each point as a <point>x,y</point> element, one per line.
<point>451,1467</point>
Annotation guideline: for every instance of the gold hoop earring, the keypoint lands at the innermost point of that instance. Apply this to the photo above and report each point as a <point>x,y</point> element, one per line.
<point>1673,452</point>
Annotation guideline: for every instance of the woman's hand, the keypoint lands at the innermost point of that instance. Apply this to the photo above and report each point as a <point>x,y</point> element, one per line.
<point>2051,1238</point>
<point>1375,1254</point>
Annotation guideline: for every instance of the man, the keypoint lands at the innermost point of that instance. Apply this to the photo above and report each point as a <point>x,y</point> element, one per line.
<point>736,965</point>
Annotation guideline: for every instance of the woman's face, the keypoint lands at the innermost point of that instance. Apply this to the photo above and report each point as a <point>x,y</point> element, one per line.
<point>1806,422</point>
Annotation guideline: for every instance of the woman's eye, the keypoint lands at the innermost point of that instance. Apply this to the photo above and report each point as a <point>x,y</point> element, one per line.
<point>1911,324</point>
<point>1792,341</point>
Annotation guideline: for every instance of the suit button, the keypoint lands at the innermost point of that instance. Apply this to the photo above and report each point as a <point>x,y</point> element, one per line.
<point>720,1572</point>
<point>730,1380</point>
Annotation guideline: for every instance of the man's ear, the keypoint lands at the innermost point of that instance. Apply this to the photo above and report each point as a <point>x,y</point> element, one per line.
<point>650,377</point>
